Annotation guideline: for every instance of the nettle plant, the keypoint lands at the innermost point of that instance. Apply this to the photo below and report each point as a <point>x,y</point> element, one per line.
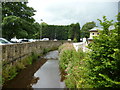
<point>104,64</point>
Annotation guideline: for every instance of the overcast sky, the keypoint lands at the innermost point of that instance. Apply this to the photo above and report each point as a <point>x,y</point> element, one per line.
<point>64,12</point>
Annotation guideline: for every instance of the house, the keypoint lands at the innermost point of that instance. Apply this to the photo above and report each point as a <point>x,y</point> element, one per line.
<point>93,32</point>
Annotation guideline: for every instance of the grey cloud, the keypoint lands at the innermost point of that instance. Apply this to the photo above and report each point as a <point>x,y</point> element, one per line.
<point>81,12</point>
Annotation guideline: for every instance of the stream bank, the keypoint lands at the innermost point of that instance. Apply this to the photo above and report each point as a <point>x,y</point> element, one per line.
<point>44,73</point>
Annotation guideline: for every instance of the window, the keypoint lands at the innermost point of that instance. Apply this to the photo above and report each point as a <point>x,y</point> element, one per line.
<point>2,41</point>
<point>97,33</point>
<point>92,33</point>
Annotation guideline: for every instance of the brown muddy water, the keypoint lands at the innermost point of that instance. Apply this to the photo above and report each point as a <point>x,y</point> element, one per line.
<point>44,73</point>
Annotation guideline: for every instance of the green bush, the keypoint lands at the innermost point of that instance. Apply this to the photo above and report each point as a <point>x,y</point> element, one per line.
<point>99,67</point>
<point>10,71</point>
<point>74,40</point>
<point>104,64</point>
<point>45,50</point>
<point>34,56</point>
<point>73,65</point>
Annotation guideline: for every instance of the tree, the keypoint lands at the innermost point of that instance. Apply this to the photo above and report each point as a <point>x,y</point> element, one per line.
<point>104,64</point>
<point>85,29</point>
<point>77,32</point>
<point>19,9</point>
<point>71,32</point>
<point>17,20</point>
<point>118,27</point>
<point>74,32</point>
<point>11,26</point>
<point>59,32</point>
<point>36,29</point>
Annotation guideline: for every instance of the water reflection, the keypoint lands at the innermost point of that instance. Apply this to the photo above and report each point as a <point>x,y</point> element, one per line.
<point>49,73</point>
<point>25,79</point>
<point>52,55</point>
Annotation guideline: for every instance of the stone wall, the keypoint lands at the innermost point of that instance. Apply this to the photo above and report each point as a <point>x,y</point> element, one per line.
<point>19,51</point>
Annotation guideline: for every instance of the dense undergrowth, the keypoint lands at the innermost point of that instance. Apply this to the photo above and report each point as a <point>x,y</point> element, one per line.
<point>9,71</point>
<point>97,68</point>
<point>73,64</point>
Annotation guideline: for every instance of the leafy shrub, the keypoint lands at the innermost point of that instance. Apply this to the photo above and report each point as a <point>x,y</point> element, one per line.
<point>19,65</point>
<point>99,67</point>
<point>10,71</point>
<point>74,40</point>
<point>104,65</point>
<point>34,56</point>
<point>72,63</point>
<point>45,50</point>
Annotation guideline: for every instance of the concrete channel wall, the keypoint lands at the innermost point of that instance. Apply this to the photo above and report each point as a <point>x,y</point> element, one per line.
<point>19,51</point>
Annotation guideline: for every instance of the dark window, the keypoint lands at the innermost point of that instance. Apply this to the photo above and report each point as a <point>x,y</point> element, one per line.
<point>2,41</point>
<point>92,33</point>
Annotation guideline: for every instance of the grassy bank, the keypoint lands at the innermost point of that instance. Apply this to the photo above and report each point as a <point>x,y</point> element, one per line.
<point>73,64</point>
<point>9,71</point>
<point>83,71</point>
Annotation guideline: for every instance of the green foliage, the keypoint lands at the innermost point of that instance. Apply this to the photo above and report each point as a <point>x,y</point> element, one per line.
<point>18,9</point>
<point>100,67</point>
<point>104,64</point>
<point>73,65</point>
<point>34,56</point>
<point>0,80</point>
<point>17,20</point>
<point>11,26</point>
<point>10,71</point>
<point>85,29</point>
<point>74,31</point>
<point>19,66</point>
<point>45,50</point>
<point>105,24</point>
<point>108,79</point>
<point>118,27</point>
<point>75,40</point>
<point>61,32</point>
<point>55,32</point>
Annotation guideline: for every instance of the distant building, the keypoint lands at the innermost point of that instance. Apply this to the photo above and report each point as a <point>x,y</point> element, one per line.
<point>93,32</point>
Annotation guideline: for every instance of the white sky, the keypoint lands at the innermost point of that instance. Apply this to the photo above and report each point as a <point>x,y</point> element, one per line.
<point>64,12</point>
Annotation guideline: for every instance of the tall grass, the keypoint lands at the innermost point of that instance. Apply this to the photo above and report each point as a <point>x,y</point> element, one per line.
<point>9,71</point>
<point>73,64</point>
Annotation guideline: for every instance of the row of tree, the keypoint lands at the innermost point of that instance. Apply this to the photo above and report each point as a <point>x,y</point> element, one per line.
<point>17,21</point>
<point>61,32</point>
<point>64,32</point>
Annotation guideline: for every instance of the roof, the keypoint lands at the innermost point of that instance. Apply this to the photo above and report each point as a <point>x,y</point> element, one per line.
<point>95,29</point>
<point>90,39</point>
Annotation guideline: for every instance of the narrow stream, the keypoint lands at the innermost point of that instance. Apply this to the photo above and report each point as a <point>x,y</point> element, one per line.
<point>44,73</point>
